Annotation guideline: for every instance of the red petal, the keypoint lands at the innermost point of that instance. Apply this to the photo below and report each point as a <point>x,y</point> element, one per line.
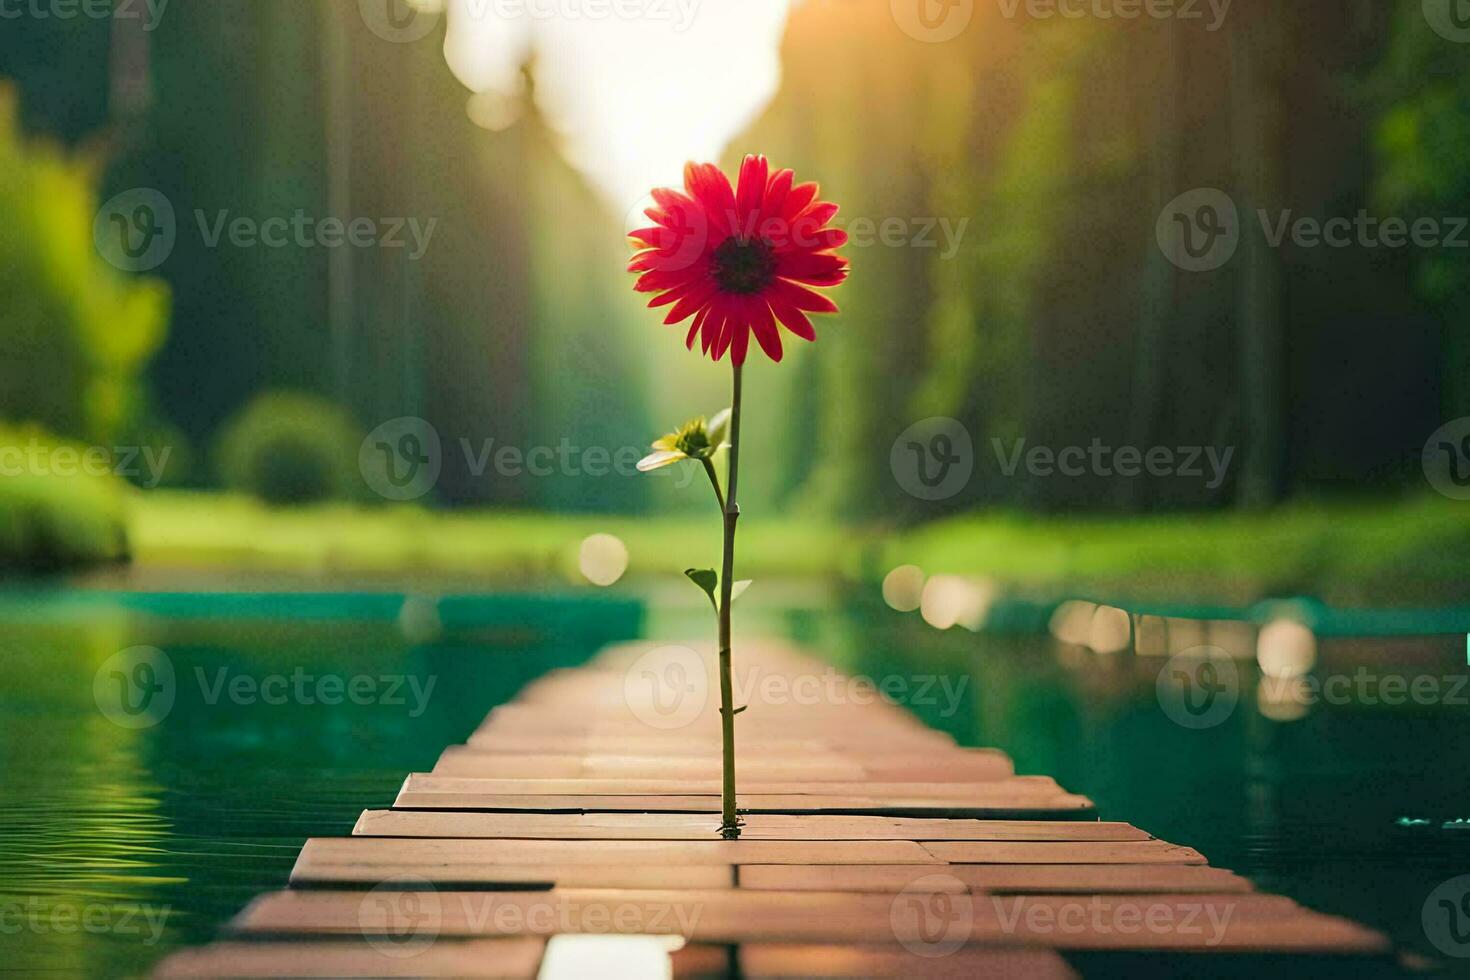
<point>694,326</point>
<point>709,334</point>
<point>653,282</point>
<point>754,172</point>
<point>794,320</point>
<point>796,202</point>
<point>707,185</point>
<point>766,333</point>
<point>690,302</point>
<point>776,190</point>
<point>802,298</point>
<point>677,292</point>
<point>740,343</point>
<point>818,269</point>
<point>818,214</point>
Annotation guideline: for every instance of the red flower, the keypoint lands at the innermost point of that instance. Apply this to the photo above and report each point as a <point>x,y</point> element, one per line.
<point>740,260</point>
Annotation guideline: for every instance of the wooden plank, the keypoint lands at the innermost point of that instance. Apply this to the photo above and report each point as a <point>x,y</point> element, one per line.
<point>998,805</point>
<point>767,960</point>
<point>450,875</point>
<point>1053,879</point>
<point>1063,852</point>
<point>462,761</point>
<point>702,826</point>
<point>1244,922</point>
<point>389,851</point>
<point>420,789</point>
<point>472,958</point>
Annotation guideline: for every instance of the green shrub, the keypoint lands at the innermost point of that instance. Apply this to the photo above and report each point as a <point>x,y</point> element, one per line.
<point>290,448</point>
<point>56,512</point>
<point>75,333</point>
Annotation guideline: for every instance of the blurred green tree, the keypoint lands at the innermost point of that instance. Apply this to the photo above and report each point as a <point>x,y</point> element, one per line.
<point>76,333</point>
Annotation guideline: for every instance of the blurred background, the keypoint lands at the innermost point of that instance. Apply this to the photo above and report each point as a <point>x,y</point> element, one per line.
<point>317,353</point>
<point>1003,170</point>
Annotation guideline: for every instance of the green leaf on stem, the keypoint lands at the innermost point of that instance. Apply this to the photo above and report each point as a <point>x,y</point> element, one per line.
<point>707,580</point>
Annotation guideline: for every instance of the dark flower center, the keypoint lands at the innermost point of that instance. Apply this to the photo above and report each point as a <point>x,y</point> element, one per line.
<point>744,267</point>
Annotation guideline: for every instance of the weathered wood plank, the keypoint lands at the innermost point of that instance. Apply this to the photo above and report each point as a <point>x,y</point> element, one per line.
<point>1040,879</point>
<point>388,851</point>
<point>419,789</point>
<point>509,957</point>
<point>758,960</point>
<point>453,875</point>
<point>700,826</point>
<point>1063,852</point>
<point>1240,922</point>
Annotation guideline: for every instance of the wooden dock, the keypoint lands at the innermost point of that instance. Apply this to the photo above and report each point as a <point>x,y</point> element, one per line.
<point>574,835</point>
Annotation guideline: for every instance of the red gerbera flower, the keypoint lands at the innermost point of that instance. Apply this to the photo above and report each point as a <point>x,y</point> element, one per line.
<point>740,260</point>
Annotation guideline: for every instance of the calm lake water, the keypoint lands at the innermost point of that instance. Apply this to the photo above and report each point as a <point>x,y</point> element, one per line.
<point>126,835</point>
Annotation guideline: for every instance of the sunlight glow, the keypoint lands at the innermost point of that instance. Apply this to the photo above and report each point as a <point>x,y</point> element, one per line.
<point>903,588</point>
<point>603,558</point>
<point>632,98</point>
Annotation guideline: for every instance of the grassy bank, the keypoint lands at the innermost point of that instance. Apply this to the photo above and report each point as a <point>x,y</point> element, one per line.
<point>1357,549</point>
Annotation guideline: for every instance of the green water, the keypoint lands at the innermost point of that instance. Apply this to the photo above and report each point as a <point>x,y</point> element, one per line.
<point>121,842</point>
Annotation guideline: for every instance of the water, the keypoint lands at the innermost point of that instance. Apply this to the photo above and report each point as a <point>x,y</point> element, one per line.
<point>119,844</point>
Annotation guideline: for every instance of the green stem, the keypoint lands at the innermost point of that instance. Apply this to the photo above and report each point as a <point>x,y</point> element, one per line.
<point>729,819</point>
